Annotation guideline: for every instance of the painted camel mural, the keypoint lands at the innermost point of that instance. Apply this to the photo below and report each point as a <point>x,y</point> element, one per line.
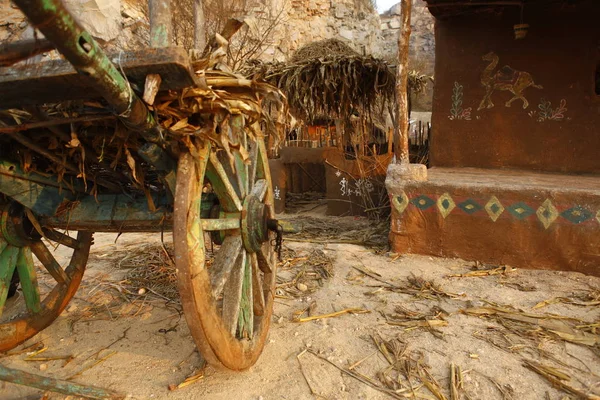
<point>506,78</point>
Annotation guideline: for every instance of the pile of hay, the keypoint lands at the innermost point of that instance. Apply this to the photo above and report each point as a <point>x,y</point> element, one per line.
<point>329,78</point>
<point>322,48</point>
<point>91,151</point>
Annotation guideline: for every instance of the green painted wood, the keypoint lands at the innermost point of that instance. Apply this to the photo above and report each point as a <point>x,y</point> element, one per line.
<point>237,136</point>
<point>8,262</point>
<point>246,317</point>
<point>222,185</point>
<point>221,224</point>
<point>113,213</point>
<point>41,194</point>
<point>28,278</point>
<point>55,385</point>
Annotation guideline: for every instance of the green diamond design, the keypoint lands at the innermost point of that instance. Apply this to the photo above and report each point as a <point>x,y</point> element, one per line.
<point>422,202</point>
<point>445,204</point>
<point>576,214</point>
<point>469,206</point>
<point>520,210</point>
<point>495,208</point>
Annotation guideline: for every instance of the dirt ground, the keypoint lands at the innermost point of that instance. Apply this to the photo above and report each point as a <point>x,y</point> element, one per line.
<point>424,321</point>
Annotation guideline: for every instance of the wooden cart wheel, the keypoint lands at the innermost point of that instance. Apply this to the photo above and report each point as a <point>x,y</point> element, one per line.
<point>226,290</point>
<point>21,317</point>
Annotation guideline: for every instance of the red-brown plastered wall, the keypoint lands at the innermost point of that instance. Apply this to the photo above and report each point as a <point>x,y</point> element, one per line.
<point>559,130</point>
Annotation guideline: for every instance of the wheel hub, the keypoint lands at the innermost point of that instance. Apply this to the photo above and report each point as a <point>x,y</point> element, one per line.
<point>254,221</point>
<point>15,227</point>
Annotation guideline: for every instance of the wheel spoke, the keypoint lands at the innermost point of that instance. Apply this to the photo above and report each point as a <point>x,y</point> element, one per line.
<point>246,317</point>
<point>28,278</point>
<point>253,164</point>
<point>47,259</point>
<point>232,294</point>
<point>263,260</point>
<point>260,189</point>
<point>257,287</point>
<point>222,185</point>
<point>224,262</point>
<point>238,137</point>
<point>61,238</point>
<point>8,262</point>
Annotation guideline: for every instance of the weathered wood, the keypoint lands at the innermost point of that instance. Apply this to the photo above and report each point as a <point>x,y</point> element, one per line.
<point>220,224</point>
<point>11,53</point>
<point>57,80</point>
<point>8,263</point>
<point>53,122</point>
<point>232,294</point>
<point>111,213</point>
<point>260,189</point>
<point>199,26</point>
<point>257,287</point>
<point>401,137</point>
<point>49,262</point>
<point>219,178</point>
<point>28,279</point>
<point>55,385</point>
<point>61,238</point>
<point>246,317</point>
<point>160,23</point>
<point>226,258</point>
<point>237,136</point>
<point>151,87</point>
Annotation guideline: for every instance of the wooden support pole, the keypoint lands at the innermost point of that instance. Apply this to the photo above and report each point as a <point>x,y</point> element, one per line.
<point>199,26</point>
<point>401,137</point>
<point>160,23</point>
<point>55,385</point>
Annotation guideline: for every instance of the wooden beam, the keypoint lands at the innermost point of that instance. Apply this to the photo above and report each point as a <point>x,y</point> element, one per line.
<point>401,137</point>
<point>55,385</point>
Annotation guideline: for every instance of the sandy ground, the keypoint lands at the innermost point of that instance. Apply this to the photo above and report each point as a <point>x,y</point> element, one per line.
<point>141,345</point>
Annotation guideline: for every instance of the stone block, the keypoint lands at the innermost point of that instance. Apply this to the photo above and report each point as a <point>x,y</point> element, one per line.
<point>395,23</point>
<point>346,34</point>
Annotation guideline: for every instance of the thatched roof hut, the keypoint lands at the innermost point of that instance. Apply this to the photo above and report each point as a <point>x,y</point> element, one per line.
<point>327,77</point>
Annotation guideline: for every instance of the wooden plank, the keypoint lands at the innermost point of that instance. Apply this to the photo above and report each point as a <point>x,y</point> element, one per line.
<point>8,262</point>
<point>57,80</point>
<point>226,258</point>
<point>55,385</point>
<point>151,87</point>
<point>232,294</point>
<point>257,287</point>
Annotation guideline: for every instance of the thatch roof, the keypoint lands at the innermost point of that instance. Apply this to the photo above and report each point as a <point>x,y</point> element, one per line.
<point>329,78</point>
<point>322,48</point>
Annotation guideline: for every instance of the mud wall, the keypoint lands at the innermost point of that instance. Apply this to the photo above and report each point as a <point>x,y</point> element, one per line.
<point>557,130</point>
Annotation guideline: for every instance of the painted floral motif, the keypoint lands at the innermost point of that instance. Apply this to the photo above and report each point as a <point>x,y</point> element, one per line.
<point>547,113</point>
<point>457,112</point>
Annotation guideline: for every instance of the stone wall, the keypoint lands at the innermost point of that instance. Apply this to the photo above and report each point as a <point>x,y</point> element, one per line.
<point>422,45</point>
<point>304,21</point>
<point>116,24</point>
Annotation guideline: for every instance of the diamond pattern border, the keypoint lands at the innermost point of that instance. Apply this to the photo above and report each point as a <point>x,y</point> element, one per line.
<point>494,208</point>
<point>520,210</point>
<point>400,202</point>
<point>576,214</point>
<point>422,202</point>
<point>547,213</point>
<point>470,206</point>
<point>445,204</point>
